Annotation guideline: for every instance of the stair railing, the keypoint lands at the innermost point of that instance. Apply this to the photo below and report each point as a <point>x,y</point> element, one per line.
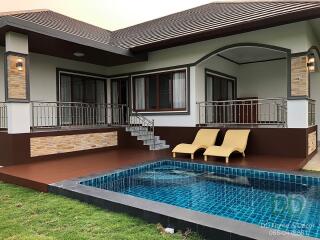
<point>138,120</point>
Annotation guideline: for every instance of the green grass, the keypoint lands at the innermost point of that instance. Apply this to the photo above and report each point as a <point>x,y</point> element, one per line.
<point>27,215</point>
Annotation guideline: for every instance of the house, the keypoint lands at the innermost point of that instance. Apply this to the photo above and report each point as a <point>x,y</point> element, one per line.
<point>68,86</point>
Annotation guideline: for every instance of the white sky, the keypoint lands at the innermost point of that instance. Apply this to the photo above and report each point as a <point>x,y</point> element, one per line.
<point>108,14</point>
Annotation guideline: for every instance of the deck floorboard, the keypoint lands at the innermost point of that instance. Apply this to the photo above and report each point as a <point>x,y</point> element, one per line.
<point>39,174</point>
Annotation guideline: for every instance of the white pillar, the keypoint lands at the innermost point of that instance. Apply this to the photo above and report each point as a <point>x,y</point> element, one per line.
<point>193,97</point>
<point>17,42</point>
<point>18,117</point>
<point>18,111</point>
<point>297,113</point>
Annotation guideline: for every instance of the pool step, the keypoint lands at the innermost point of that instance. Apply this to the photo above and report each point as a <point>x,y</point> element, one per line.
<point>143,134</point>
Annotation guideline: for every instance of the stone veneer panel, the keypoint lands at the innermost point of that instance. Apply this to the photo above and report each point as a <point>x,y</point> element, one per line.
<point>17,79</point>
<point>41,146</point>
<point>299,76</point>
<point>312,142</point>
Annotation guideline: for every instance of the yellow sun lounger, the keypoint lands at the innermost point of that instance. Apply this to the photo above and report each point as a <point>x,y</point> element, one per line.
<point>204,139</point>
<point>234,140</point>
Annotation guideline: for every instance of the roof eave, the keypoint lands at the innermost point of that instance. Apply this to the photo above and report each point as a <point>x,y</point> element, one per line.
<point>232,30</point>
<point>28,26</point>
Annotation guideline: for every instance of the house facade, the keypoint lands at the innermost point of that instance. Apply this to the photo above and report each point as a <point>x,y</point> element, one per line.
<point>247,65</point>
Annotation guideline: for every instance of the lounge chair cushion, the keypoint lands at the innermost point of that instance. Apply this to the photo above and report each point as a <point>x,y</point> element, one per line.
<point>234,140</point>
<point>203,139</point>
<point>186,148</point>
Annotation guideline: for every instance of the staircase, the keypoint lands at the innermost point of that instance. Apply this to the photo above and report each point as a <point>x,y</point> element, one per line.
<point>149,139</point>
<point>143,129</point>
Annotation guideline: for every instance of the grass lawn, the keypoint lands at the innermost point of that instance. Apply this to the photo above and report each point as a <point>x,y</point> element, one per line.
<point>27,215</point>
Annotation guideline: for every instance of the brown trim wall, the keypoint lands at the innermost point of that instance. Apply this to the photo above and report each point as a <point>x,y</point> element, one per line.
<point>286,142</point>
<point>310,130</point>
<point>9,143</point>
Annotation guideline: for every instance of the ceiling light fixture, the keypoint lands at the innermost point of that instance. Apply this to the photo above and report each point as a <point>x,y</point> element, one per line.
<point>78,54</point>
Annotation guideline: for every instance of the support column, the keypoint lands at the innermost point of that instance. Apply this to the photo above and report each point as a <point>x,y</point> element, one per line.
<point>297,113</point>
<point>17,83</point>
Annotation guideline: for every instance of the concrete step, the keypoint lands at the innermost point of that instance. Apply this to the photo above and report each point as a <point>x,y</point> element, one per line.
<point>151,142</point>
<point>135,128</point>
<point>140,133</point>
<point>158,147</point>
<point>147,137</point>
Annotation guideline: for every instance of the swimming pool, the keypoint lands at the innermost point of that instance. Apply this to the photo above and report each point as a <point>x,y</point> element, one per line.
<point>274,200</point>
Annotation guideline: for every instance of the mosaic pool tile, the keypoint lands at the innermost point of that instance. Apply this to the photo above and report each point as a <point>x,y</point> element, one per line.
<point>274,200</point>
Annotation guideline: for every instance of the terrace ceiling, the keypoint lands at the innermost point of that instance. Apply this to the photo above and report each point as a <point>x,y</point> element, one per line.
<point>250,54</point>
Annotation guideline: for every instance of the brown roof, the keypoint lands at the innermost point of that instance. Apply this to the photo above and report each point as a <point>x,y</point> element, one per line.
<point>65,24</point>
<point>196,24</point>
<point>213,18</point>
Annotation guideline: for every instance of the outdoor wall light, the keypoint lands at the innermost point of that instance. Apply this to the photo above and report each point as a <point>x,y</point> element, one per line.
<point>78,54</point>
<point>311,63</point>
<point>19,64</point>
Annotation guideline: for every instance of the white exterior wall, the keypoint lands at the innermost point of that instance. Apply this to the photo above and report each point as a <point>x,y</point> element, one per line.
<point>293,36</point>
<point>297,36</point>
<point>43,74</point>
<point>217,64</point>
<point>259,79</point>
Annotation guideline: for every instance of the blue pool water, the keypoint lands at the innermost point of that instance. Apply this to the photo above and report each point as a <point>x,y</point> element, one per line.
<point>278,201</point>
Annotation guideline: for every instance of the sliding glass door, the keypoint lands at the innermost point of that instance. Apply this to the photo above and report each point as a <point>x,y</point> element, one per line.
<point>219,89</point>
<point>120,99</point>
<point>81,98</point>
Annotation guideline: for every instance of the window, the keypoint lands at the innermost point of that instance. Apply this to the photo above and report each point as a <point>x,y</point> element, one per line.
<point>165,91</point>
<point>77,88</point>
<point>219,88</point>
<point>81,88</point>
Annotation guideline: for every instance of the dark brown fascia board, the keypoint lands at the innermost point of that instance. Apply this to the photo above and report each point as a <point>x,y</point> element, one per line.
<point>231,30</point>
<point>25,25</point>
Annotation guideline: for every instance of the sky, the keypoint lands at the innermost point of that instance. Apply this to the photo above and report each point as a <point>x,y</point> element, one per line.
<point>108,14</point>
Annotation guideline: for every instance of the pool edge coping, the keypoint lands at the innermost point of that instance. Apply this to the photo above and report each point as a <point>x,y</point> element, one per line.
<point>73,188</point>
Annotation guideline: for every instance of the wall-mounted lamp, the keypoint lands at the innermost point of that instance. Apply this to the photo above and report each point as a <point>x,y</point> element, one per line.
<point>311,63</point>
<point>19,64</point>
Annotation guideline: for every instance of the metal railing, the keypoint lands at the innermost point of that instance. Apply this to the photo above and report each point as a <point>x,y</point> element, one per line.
<point>138,120</point>
<point>74,114</point>
<point>311,112</point>
<point>270,112</point>
<point>3,116</point>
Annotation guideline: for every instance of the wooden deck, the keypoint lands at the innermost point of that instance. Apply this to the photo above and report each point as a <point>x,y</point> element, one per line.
<point>38,175</point>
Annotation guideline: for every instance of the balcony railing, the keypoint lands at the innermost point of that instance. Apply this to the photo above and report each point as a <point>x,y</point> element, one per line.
<point>3,116</point>
<point>77,115</point>
<point>271,112</point>
<point>311,112</point>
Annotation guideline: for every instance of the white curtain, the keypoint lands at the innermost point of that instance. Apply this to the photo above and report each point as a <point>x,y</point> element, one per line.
<point>179,90</point>
<point>140,93</point>
<point>101,111</point>
<point>65,96</point>
<point>209,110</point>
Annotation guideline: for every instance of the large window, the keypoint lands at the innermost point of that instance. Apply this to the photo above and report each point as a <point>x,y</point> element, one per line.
<point>165,91</point>
<point>81,88</point>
